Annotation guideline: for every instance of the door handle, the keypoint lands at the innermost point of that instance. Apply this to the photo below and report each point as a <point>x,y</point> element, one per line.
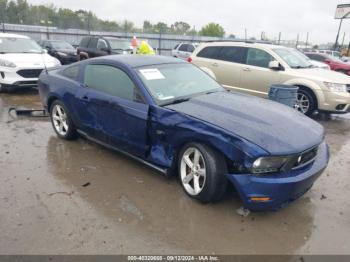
<point>247,69</point>
<point>215,64</point>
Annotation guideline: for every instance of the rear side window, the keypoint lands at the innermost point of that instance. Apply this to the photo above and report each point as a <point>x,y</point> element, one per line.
<point>93,43</point>
<point>209,52</point>
<point>316,57</point>
<point>110,80</point>
<point>84,42</point>
<point>71,72</point>
<point>257,57</point>
<point>190,48</point>
<point>234,54</point>
<point>101,44</point>
<point>183,47</point>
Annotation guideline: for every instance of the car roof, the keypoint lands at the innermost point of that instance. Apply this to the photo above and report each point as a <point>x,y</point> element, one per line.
<point>13,35</point>
<point>243,44</point>
<point>141,60</point>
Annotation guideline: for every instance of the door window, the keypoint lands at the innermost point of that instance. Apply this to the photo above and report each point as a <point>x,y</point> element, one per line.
<point>258,57</point>
<point>112,81</point>
<point>234,54</point>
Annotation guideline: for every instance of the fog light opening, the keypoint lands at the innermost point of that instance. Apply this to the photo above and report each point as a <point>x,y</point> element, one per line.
<point>340,107</point>
<point>260,199</point>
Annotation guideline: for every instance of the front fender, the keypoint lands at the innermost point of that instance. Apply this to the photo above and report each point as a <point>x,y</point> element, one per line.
<point>171,130</point>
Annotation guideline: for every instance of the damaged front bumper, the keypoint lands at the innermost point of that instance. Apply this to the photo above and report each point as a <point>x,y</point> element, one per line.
<point>274,191</point>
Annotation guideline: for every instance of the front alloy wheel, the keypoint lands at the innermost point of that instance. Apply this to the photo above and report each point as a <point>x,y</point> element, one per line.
<point>201,172</point>
<point>193,172</point>
<point>306,102</point>
<point>303,103</point>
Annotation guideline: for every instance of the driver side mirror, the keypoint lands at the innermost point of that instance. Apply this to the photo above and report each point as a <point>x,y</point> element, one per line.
<point>44,51</point>
<point>327,61</point>
<point>275,65</point>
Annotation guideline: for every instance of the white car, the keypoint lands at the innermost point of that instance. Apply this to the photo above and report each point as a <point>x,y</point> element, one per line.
<point>21,62</point>
<point>183,50</point>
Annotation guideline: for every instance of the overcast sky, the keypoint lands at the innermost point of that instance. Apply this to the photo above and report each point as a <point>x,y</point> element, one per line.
<point>271,16</point>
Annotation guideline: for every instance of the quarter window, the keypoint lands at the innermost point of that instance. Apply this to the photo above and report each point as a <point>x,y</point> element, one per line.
<point>101,44</point>
<point>71,72</point>
<point>112,81</point>
<point>209,52</point>
<point>257,57</point>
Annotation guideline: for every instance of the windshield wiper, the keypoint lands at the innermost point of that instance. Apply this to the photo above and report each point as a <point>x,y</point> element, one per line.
<point>176,101</point>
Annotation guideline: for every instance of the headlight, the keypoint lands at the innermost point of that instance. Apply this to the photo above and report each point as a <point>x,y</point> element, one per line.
<point>6,63</point>
<point>334,87</point>
<point>62,54</point>
<point>268,164</point>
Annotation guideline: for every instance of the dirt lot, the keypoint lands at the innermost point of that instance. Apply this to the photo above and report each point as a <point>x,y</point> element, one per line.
<point>127,208</point>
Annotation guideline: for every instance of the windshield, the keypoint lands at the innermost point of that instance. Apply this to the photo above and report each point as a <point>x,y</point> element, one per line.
<point>170,82</point>
<point>337,54</point>
<point>61,45</point>
<point>119,44</point>
<point>293,58</point>
<point>19,45</point>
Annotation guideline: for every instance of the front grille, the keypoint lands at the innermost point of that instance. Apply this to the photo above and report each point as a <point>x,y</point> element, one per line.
<point>29,73</point>
<point>305,158</point>
<point>26,83</point>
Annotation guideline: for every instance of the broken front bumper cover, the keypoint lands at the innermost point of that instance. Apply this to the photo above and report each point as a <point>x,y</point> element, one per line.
<point>280,189</point>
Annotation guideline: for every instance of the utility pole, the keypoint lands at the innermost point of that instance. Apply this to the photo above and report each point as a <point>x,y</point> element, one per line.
<point>336,40</point>
<point>297,42</point>
<point>245,34</point>
<point>342,42</point>
<point>47,23</point>
<point>307,39</point>
<point>279,38</point>
<point>3,19</point>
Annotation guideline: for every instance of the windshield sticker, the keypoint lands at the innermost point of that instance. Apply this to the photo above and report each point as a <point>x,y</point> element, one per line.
<point>152,74</point>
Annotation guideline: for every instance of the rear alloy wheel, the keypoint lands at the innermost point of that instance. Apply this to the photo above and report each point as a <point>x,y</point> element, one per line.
<point>201,172</point>
<point>305,102</point>
<point>61,121</point>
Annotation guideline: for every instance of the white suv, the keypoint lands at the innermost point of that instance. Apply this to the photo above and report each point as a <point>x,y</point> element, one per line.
<point>21,61</point>
<point>183,50</point>
<point>253,67</point>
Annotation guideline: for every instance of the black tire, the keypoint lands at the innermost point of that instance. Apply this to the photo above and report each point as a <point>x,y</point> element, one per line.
<point>311,98</point>
<point>71,133</point>
<point>3,89</point>
<point>215,182</point>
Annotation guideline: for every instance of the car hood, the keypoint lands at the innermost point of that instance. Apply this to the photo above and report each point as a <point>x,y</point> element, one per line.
<point>274,127</point>
<point>67,51</point>
<point>30,60</point>
<point>322,75</point>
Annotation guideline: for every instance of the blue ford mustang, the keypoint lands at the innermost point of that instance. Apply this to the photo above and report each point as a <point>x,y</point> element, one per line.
<point>172,116</point>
